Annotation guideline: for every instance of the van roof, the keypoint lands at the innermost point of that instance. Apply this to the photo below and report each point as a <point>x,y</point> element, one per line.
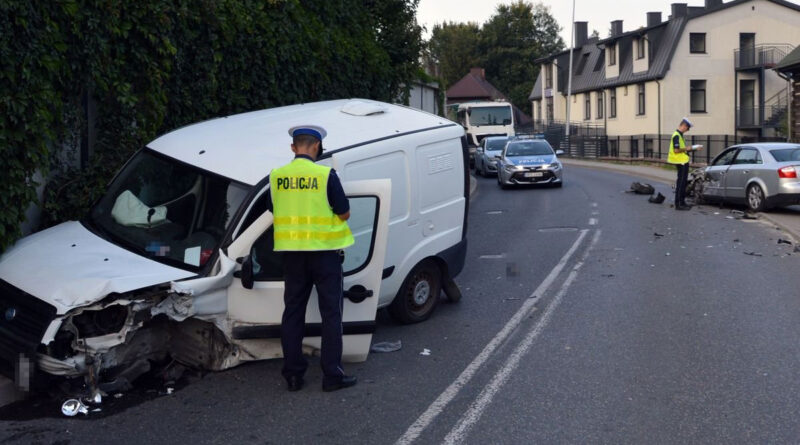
<point>246,147</point>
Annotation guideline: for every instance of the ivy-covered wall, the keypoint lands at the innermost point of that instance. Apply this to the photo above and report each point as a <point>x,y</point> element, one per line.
<point>153,65</point>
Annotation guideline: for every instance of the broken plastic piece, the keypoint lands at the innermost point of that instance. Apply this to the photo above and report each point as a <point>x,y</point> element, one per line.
<point>387,346</point>
<point>642,189</point>
<point>784,241</point>
<point>425,351</point>
<point>72,407</point>
<point>753,253</point>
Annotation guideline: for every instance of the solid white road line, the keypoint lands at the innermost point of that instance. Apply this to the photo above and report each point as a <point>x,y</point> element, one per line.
<point>592,221</point>
<point>441,402</point>
<point>473,414</point>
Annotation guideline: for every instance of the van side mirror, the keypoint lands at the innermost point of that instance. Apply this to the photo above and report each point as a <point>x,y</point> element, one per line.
<point>247,272</point>
<point>559,152</point>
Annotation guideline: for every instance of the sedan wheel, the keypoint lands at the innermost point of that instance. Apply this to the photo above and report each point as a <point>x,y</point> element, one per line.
<point>755,198</point>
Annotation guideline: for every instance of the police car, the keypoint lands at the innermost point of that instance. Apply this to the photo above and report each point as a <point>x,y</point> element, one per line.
<point>176,259</point>
<point>529,160</point>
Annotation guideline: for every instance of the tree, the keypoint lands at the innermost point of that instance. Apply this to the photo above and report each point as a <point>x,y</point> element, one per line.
<point>595,33</point>
<point>515,36</point>
<point>455,47</point>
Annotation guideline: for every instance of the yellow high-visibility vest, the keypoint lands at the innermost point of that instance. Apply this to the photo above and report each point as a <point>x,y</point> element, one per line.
<point>303,218</point>
<point>677,158</point>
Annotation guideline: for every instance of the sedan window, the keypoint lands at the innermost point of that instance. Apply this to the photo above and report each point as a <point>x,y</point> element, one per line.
<point>725,158</point>
<point>786,154</point>
<point>748,156</point>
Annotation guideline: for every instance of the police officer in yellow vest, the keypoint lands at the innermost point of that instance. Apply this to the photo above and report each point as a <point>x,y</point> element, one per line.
<point>310,212</point>
<point>678,155</point>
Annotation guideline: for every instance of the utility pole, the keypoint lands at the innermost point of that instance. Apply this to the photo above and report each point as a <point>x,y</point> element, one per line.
<point>569,74</point>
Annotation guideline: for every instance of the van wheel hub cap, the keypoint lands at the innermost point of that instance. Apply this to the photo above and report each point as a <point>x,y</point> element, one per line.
<point>422,292</point>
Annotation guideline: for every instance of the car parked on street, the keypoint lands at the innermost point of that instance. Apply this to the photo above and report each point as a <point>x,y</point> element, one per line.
<point>487,153</point>
<point>529,161</point>
<point>759,175</point>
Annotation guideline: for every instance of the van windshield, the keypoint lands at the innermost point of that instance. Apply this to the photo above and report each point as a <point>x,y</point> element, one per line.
<point>168,211</point>
<point>490,115</point>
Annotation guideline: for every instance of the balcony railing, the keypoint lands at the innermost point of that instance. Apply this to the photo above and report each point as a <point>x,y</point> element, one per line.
<point>750,117</point>
<point>766,56</point>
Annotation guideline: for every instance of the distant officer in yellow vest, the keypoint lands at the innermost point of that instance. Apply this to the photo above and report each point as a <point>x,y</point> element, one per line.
<point>678,155</point>
<point>310,211</point>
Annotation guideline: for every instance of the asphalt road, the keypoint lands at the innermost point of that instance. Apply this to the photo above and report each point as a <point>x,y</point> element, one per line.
<point>578,324</point>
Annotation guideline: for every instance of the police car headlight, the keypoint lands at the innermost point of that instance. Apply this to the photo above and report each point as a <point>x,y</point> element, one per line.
<point>554,166</point>
<point>513,168</point>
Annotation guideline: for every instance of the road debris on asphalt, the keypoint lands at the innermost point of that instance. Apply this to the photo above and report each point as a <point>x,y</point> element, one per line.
<point>73,407</point>
<point>425,351</point>
<point>656,234</point>
<point>387,346</point>
<point>752,253</point>
<point>642,189</point>
<point>656,199</point>
<point>784,241</point>
<point>512,270</point>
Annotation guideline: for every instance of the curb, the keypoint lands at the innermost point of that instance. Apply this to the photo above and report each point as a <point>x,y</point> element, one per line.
<point>473,185</point>
<point>599,165</point>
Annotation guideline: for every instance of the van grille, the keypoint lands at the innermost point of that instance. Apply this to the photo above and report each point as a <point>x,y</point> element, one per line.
<point>22,332</point>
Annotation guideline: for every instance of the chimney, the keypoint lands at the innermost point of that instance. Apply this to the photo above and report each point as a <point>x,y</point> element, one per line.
<point>581,33</point>
<point>480,72</point>
<point>713,4</point>
<point>616,28</point>
<point>653,19</point>
<point>679,10</point>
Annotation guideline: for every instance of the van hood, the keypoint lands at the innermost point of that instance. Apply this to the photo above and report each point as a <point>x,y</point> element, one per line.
<point>68,266</point>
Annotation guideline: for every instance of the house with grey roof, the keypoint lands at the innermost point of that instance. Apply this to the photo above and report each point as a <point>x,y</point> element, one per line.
<point>710,63</point>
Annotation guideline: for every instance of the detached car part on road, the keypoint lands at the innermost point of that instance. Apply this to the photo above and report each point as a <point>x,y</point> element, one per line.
<point>176,259</point>
<point>529,161</point>
<point>760,176</point>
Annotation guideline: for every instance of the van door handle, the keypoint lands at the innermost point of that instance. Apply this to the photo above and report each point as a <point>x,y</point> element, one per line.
<point>357,293</point>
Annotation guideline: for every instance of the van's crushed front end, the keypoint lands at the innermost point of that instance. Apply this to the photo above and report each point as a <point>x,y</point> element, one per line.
<point>75,306</point>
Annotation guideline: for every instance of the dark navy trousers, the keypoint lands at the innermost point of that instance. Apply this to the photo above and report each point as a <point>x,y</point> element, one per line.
<point>681,183</point>
<point>302,270</point>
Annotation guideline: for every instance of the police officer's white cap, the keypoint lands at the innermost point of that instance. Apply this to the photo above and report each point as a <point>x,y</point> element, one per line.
<point>687,122</point>
<point>312,130</point>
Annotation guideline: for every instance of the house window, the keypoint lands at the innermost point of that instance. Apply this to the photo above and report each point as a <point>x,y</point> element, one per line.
<point>548,76</point>
<point>582,64</point>
<point>600,105</point>
<point>640,109</point>
<point>612,98</point>
<point>612,55</point>
<point>640,48</point>
<point>697,43</point>
<point>697,92</point>
<point>588,107</point>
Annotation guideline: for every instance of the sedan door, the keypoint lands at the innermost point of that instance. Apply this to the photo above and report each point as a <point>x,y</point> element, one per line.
<point>714,187</point>
<point>255,313</point>
<point>743,168</point>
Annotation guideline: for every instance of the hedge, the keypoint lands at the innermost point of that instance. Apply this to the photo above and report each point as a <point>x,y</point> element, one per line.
<point>150,66</point>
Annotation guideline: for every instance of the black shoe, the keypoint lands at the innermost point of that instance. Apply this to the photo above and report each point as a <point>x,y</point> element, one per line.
<point>295,383</point>
<point>345,382</point>
<point>683,207</point>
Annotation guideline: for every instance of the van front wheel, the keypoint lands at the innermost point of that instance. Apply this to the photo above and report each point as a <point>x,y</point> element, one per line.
<point>419,294</point>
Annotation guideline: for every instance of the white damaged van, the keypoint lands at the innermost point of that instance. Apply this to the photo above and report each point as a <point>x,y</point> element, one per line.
<point>176,259</point>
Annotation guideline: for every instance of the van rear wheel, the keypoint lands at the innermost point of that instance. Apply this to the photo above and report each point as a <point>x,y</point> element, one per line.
<point>419,294</point>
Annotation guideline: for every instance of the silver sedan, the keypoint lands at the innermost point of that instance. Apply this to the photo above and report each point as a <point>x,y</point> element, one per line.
<point>761,176</point>
<point>490,149</point>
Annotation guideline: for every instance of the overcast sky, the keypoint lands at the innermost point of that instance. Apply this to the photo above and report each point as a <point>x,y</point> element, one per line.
<point>599,13</point>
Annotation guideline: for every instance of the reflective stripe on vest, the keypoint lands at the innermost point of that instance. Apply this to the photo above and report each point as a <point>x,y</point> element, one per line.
<point>303,218</point>
<point>677,158</point>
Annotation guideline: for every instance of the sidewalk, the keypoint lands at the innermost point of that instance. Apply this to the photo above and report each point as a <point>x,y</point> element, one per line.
<point>787,218</point>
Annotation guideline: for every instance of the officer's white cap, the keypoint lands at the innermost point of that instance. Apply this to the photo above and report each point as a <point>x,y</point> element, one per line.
<point>313,130</point>
<point>687,122</point>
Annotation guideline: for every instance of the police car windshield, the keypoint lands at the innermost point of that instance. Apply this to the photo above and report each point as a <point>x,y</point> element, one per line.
<point>495,144</point>
<point>529,148</point>
<point>168,211</point>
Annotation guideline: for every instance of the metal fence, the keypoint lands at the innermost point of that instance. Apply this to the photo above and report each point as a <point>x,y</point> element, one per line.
<point>592,142</point>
